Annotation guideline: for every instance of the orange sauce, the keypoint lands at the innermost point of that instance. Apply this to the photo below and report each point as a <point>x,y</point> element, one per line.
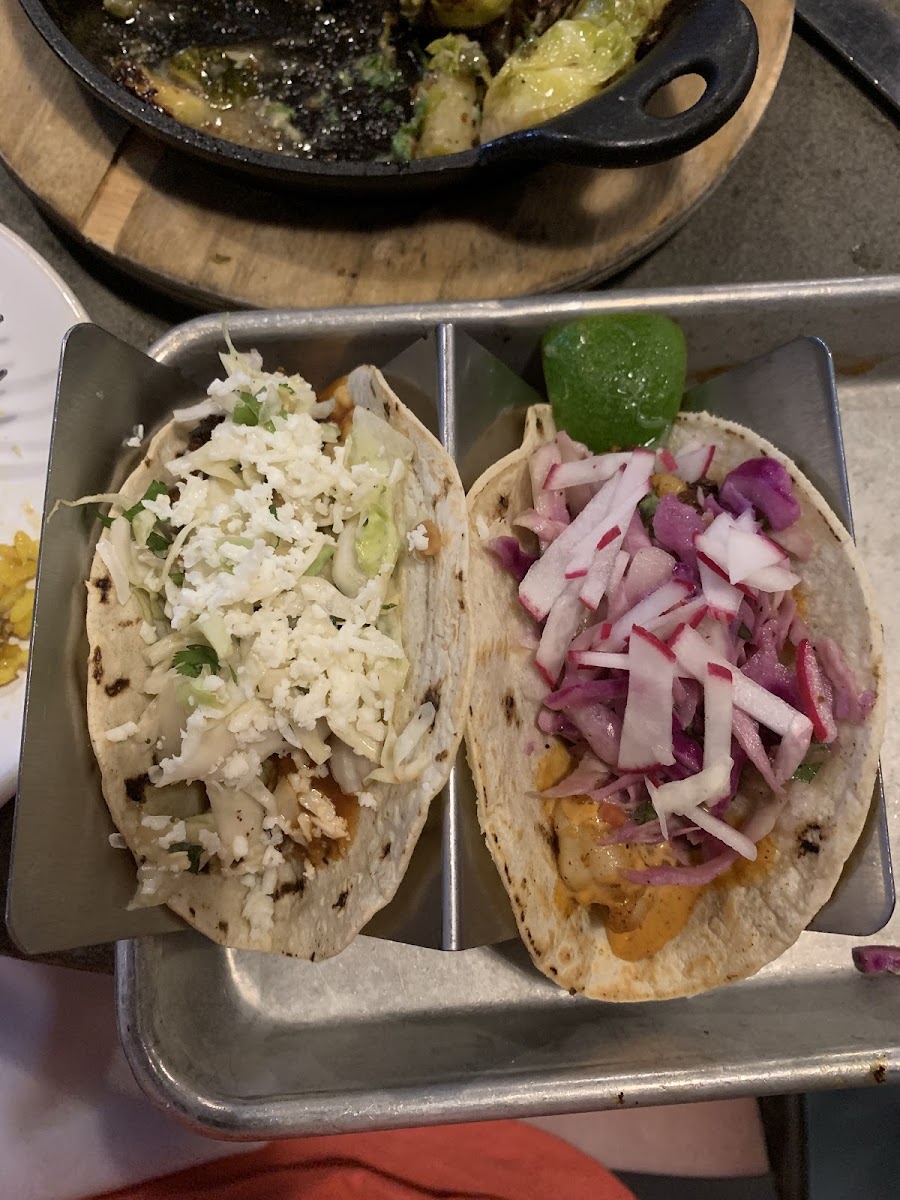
<point>645,919</point>
<point>663,920</point>
<point>323,850</point>
<point>553,766</point>
<point>744,872</point>
<point>563,899</point>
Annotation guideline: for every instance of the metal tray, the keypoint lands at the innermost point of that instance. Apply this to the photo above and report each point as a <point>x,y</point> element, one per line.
<point>387,1034</point>
<point>393,1034</point>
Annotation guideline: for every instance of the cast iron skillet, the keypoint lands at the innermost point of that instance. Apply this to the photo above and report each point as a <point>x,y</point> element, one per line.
<point>715,39</point>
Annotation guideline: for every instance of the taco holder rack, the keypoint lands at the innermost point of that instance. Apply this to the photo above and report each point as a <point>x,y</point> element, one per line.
<point>393,1032</point>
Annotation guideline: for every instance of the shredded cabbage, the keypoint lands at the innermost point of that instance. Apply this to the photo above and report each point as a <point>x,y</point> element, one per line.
<point>263,570</point>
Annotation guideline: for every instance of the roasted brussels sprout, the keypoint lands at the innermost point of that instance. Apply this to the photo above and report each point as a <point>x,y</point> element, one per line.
<point>125,10</point>
<point>467,14</point>
<point>447,112</point>
<point>567,65</point>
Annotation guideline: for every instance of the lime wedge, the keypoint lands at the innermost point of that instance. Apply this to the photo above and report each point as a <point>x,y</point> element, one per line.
<point>615,381</point>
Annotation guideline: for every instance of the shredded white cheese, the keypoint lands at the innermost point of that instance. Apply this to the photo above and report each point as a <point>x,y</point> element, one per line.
<point>263,563</point>
<point>178,833</point>
<point>155,822</point>
<point>417,539</point>
<point>122,733</point>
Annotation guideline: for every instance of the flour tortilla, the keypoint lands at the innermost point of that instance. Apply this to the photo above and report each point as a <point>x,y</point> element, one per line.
<point>733,930</point>
<point>344,894</point>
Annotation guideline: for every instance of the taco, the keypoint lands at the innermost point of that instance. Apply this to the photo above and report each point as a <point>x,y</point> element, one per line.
<point>279,655</point>
<point>678,705</point>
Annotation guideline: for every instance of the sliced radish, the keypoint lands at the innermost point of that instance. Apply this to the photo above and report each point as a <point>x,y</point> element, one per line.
<point>691,613</point>
<point>622,509</point>
<point>636,536</point>
<point>746,734</point>
<point>715,633</point>
<point>601,634</point>
<point>816,693</point>
<point>723,598</point>
<point>577,498</point>
<point>561,627</point>
<point>693,462</point>
<point>686,694</point>
<point>667,461</point>
<point>650,568</point>
<point>606,513</point>
<point>724,832</point>
<point>793,748</point>
<point>596,469</point>
<point>773,579</point>
<point>546,528</point>
<point>547,502</point>
<point>683,796</point>
<point>592,691</point>
<point>694,654</point>
<point>651,606</point>
<point>647,727</point>
<point>749,553</point>
<point>600,658</point>
<point>547,577</point>
<point>600,571</point>
<point>585,639</point>
<point>718,705</point>
<point>615,591</point>
<point>713,541</point>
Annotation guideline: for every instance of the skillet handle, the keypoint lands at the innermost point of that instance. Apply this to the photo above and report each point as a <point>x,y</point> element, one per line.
<point>715,39</point>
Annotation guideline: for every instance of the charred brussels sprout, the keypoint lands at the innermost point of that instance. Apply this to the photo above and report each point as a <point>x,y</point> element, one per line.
<point>567,65</point>
<point>447,112</point>
<point>467,14</point>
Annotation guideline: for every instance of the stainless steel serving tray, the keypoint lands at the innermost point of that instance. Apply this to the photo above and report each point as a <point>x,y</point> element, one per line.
<point>247,1045</point>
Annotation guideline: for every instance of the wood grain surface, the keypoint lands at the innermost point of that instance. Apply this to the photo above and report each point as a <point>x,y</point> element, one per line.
<point>220,240</point>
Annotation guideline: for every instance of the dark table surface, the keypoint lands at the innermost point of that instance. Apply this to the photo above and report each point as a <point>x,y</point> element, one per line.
<point>814,195</point>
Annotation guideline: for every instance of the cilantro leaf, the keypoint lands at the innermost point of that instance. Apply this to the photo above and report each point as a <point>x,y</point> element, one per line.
<point>246,411</point>
<point>645,813</point>
<point>647,507</point>
<point>177,577</point>
<point>104,520</point>
<point>158,543</point>
<point>155,490</point>
<point>807,771</point>
<point>192,659</point>
<point>273,510</point>
<point>194,853</point>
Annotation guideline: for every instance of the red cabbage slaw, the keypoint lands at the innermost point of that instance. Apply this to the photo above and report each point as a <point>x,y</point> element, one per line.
<point>672,645</point>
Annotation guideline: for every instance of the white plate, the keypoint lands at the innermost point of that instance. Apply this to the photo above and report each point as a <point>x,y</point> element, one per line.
<point>37,309</point>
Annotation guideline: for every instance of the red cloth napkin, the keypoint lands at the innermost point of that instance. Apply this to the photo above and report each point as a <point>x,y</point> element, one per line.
<point>499,1160</point>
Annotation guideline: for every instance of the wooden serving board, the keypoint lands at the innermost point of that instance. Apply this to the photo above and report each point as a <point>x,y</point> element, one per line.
<point>220,240</point>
